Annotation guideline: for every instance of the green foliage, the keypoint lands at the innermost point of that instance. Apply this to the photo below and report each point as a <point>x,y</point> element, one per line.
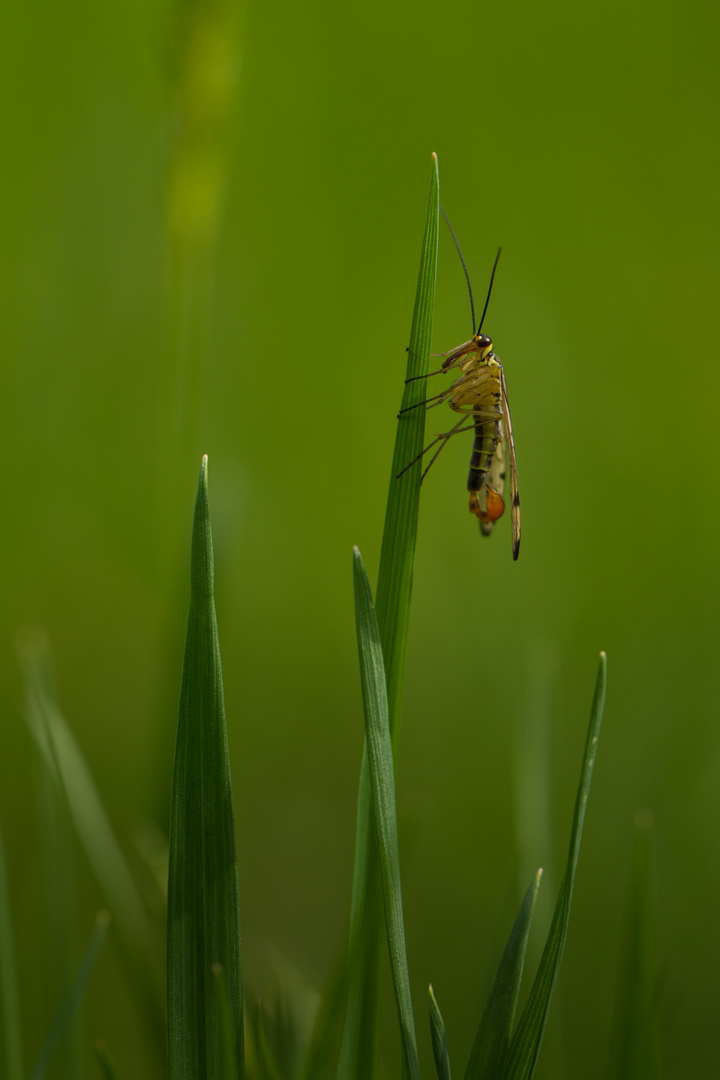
<point>488,1057</point>
<point>67,789</point>
<point>358,1048</point>
<point>66,1012</point>
<point>638,1045</point>
<point>203,914</point>
<point>382,781</point>
<point>9,996</point>
<point>439,1040</point>
<point>526,1040</point>
<point>206,1036</point>
<point>107,1065</point>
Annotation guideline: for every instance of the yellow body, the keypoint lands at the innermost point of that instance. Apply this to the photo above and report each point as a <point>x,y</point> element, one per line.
<point>480,393</point>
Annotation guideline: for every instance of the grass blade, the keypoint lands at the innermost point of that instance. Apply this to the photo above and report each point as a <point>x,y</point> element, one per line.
<point>203,916</point>
<point>107,1066</point>
<point>322,1048</point>
<point>492,1040</point>
<point>67,1010</point>
<point>227,1064</point>
<point>359,1041</point>
<point>9,996</point>
<point>382,780</point>
<point>439,1041</point>
<point>639,1051</point>
<point>66,765</point>
<point>525,1045</point>
<point>397,555</point>
<point>57,857</point>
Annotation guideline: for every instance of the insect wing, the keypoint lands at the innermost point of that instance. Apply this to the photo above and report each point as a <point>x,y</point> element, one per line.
<point>514,493</point>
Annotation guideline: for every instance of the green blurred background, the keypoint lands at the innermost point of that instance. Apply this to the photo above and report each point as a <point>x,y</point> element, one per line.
<point>211,223</point>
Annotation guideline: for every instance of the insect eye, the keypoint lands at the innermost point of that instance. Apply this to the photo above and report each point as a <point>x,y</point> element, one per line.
<point>484,341</point>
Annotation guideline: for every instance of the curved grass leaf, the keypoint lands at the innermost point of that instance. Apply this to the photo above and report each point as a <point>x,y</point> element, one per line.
<point>638,1051</point>
<point>525,1045</point>
<point>227,1064</point>
<point>492,1040</point>
<point>266,1064</point>
<point>397,555</point>
<point>66,766</point>
<point>203,918</point>
<point>9,996</point>
<point>107,1065</point>
<point>57,858</point>
<point>358,1048</point>
<point>67,1010</point>
<point>439,1041</point>
<point>322,1048</point>
<point>382,782</point>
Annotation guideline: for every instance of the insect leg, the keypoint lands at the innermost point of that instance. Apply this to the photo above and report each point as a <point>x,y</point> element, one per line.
<point>440,438</point>
<point>440,371</point>
<point>437,400</point>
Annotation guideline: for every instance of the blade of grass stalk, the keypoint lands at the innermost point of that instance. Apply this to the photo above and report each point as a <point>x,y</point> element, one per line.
<point>439,1041</point>
<point>492,1039</point>
<point>525,1045</point>
<point>203,912</point>
<point>358,1048</point>
<point>67,1009</point>
<point>638,1050</point>
<point>9,997</point>
<point>227,1069</point>
<point>324,1041</point>
<point>65,762</point>
<point>267,1066</point>
<point>382,780</point>
<point>397,555</point>
<point>107,1065</point>
<point>57,860</point>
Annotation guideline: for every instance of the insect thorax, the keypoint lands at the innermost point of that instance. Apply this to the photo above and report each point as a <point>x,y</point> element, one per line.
<point>479,387</point>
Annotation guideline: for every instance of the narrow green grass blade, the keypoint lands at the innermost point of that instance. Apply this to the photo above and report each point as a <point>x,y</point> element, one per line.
<point>65,762</point>
<point>67,1010</point>
<point>227,1064</point>
<point>439,1041</point>
<point>12,1057</point>
<point>57,860</point>
<point>358,1049</point>
<point>324,1041</point>
<point>266,1065</point>
<point>203,914</point>
<point>492,1039</point>
<point>638,1051</point>
<point>382,780</point>
<point>525,1045</point>
<point>107,1066</point>
<point>397,555</point>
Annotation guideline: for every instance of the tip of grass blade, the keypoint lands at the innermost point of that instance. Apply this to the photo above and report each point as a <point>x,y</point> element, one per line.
<point>528,1034</point>
<point>439,1040</point>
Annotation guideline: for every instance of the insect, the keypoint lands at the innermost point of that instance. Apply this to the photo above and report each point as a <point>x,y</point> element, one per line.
<point>479,393</point>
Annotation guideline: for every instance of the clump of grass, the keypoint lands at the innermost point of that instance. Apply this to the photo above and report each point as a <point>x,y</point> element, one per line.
<point>205,1033</point>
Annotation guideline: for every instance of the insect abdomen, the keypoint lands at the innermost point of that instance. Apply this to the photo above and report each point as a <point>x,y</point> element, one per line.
<point>487,433</point>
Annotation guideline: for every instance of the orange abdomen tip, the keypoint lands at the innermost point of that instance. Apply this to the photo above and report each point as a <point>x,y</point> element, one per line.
<point>494,505</point>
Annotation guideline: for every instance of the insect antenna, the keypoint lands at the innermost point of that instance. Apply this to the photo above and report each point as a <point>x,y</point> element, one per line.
<point>467,276</point>
<point>492,278</point>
